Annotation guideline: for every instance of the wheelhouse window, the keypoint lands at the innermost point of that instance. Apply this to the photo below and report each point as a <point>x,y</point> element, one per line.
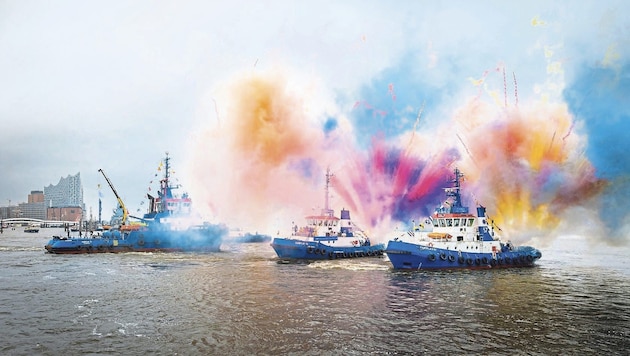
<point>471,221</point>
<point>456,222</point>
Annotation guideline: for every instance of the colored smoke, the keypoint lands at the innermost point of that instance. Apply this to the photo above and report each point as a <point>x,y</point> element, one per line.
<point>261,161</point>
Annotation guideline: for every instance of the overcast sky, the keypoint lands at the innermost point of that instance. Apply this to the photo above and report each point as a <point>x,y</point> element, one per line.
<point>115,84</point>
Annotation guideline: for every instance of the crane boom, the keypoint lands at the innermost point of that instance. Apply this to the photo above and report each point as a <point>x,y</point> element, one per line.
<point>120,202</point>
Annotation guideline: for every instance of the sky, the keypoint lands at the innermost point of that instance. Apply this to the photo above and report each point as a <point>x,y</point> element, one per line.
<point>255,100</point>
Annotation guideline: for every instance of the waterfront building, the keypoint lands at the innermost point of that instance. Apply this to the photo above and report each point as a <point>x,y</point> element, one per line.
<point>66,213</point>
<point>35,208</point>
<point>36,196</point>
<point>67,193</point>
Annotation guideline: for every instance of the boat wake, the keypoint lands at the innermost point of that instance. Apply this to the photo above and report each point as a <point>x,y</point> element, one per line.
<point>351,265</point>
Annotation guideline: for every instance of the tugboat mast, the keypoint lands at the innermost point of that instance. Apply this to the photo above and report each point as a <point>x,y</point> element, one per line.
<point>457,206</point>
<point>327,211</point>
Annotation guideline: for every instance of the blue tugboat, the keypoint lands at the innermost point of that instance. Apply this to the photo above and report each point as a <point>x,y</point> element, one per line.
<point>326,237</point>
<point>168,226</point>
<point>458,240</point>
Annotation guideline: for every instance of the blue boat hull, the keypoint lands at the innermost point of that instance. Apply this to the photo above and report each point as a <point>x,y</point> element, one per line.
<point>206,238</point>
<point>315,250</point>
<point>409,256</point>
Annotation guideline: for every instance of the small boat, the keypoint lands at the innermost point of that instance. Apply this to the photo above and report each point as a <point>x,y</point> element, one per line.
<point>168,226</point>
<point>457,240</point>
<point>31,229</point>
<point>326,237</point>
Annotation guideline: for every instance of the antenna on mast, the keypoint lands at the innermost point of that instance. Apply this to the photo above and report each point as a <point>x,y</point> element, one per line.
<point>504,89</point>
<point>327,211</point>
<point>515,88</point>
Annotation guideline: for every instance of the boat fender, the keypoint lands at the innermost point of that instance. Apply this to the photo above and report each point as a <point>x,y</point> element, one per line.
<point>484,260</point>
<point>352,254</point>
<point>500,261</point>
<point>443,256</point>
<point>141,242</point>
<point>362,253</point>
<point>461,260</point>
<point>530,258</point>
<point>317,251</point>
<point>451,258</point>
<point>380,252</point>
<point>370,253</point>
<point>493,262</point>
<point>330,255</point>
<point>309,250</point>
<point>469,261</point>
<point>508,260</point>
<point>477,261</point>
<point>431,257</point>
<point>345,255</point>
<point>100,248</point>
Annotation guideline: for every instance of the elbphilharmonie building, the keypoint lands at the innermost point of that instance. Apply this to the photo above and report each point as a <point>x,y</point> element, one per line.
<point>68,192</point>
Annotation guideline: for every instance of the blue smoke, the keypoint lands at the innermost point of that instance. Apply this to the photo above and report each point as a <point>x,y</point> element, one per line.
<point>389,104</point>
<point>599,98</point>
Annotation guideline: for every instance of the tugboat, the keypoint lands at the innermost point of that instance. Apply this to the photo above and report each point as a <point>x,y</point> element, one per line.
<point>326,237</point>
<point>457,240</point>
<point>166,227</point>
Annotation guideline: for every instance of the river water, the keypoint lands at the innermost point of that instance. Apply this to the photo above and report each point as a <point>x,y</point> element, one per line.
<point>242,301</point>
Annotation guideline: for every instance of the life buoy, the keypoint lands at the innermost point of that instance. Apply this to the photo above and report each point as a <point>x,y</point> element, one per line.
<point>431,257</point>
<point>355,242</point>
<point>443,256</point>
<point>430,244</point>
